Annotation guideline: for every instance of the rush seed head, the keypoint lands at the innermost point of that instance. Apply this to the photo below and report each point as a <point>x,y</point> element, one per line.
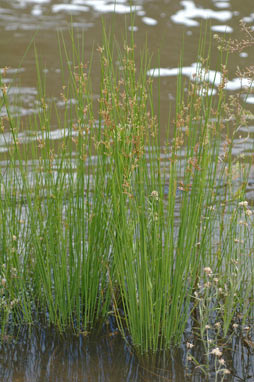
<point>217,352</point>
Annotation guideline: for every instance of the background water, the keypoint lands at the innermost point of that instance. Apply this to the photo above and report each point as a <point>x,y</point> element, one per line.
<point>164,25</point>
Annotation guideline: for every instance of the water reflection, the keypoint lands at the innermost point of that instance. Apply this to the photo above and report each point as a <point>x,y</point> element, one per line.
<point>195,72</point>
<point>222,28</point>
<point>41,355</point>
<point>185,16</point>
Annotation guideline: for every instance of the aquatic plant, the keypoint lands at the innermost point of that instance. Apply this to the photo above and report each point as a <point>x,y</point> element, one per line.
<point>108,221</point>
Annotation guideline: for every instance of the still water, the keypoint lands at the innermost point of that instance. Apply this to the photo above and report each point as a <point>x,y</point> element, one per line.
<point>42,355</point>
<point>45,356</point>
<point>164,24</point>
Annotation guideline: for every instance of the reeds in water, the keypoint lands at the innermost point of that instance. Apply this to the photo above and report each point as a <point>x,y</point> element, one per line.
<point>108,220</point>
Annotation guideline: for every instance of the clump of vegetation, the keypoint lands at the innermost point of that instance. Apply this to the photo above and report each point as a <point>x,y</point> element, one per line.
<point>107,221</point>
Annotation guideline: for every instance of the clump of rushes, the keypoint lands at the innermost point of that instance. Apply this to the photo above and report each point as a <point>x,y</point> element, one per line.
<point>86,227</point>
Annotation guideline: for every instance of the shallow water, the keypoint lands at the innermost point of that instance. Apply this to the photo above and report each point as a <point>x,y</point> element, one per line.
<point>42,355</point>
<point>163,24</point>
<point>45,356</point>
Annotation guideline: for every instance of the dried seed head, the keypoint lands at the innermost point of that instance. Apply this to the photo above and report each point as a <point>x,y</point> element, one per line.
<point>217,352</point>
<point>14,302</point>
<point>155,195</point>
<point>241,222</point>
<point>208,270</point>
<point>243,203</point>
